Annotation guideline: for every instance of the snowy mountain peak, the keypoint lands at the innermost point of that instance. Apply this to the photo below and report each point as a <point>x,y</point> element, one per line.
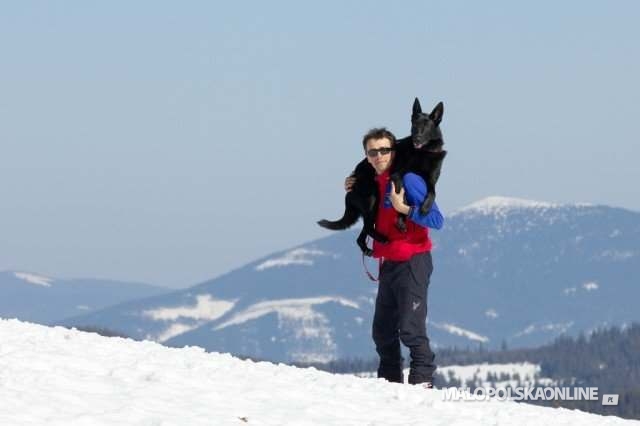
<point>298,256</point>
<point>496,203</point>
<point>34,279</point>
<point>501,205</point>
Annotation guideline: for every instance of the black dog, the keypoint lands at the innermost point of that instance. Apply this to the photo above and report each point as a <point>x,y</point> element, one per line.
<point>420,153</point>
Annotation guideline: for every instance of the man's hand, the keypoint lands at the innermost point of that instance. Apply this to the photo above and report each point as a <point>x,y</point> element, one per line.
<point>398,200</point>
<point>348,183</point>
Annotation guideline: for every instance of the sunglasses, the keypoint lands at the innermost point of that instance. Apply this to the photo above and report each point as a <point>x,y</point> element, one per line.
<point>375,151</point>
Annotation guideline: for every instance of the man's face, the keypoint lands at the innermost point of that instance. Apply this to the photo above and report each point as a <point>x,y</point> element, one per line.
<point>380,161</point>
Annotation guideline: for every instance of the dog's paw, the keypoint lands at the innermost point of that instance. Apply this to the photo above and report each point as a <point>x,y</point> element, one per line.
<point>426,207</point>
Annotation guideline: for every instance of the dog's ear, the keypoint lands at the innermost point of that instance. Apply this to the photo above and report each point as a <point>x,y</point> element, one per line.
<point>417,109</point>
<point>436,114</point>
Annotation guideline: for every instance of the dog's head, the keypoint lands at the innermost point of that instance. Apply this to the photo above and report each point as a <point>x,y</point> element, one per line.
<point>425,128</point>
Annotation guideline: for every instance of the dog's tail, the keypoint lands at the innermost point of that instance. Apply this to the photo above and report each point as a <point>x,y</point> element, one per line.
<point>348,219</point>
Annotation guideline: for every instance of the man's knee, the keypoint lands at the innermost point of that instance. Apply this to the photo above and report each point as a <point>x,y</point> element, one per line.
<point>412,333</point>
<point>383,336</point>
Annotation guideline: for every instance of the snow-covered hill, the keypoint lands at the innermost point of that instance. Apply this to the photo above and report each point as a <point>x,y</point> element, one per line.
<point>506,270</point>
<point>44,299</point>
<point>57,376</point>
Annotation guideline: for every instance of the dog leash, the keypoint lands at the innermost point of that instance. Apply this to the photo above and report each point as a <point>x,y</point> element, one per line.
<point>369,274</point>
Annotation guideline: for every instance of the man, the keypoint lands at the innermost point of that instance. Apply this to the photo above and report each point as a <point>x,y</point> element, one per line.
<point>406,267</point>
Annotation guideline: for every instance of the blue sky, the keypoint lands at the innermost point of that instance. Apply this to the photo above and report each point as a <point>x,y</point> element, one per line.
<point>171,142</point>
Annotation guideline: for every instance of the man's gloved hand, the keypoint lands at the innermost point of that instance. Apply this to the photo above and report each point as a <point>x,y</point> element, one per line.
<point>348,183</point>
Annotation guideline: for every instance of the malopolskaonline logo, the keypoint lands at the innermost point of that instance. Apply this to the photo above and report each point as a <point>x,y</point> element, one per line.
<point>521,394</point>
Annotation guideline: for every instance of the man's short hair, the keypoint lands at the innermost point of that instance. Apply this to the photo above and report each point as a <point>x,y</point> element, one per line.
<point>378,133</point>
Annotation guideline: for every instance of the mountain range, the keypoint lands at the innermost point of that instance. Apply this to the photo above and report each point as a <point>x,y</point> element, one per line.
<point>507,272</point>
<point>46,300</point>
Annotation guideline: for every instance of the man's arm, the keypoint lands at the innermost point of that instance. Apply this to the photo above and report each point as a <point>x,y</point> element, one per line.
<point>415,193</point>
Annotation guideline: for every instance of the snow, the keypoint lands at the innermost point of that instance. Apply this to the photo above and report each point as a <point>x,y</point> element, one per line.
<point>592,285</point>
<point>33,278</point>
<point>459,331</point>
<point>56,376</point>
<point>498,205</point>
<point>476,375</point>
<point>492,204</point>
<point>557,327</point>
<point>587,286</point>
<point>310,331</point>
<point>491,313</point>
<point>288,308</point>
<point>298,256</point>
<point>526,370</point>
<point>206,308</point>
<point>174,330</point>
<point>617,255</point>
